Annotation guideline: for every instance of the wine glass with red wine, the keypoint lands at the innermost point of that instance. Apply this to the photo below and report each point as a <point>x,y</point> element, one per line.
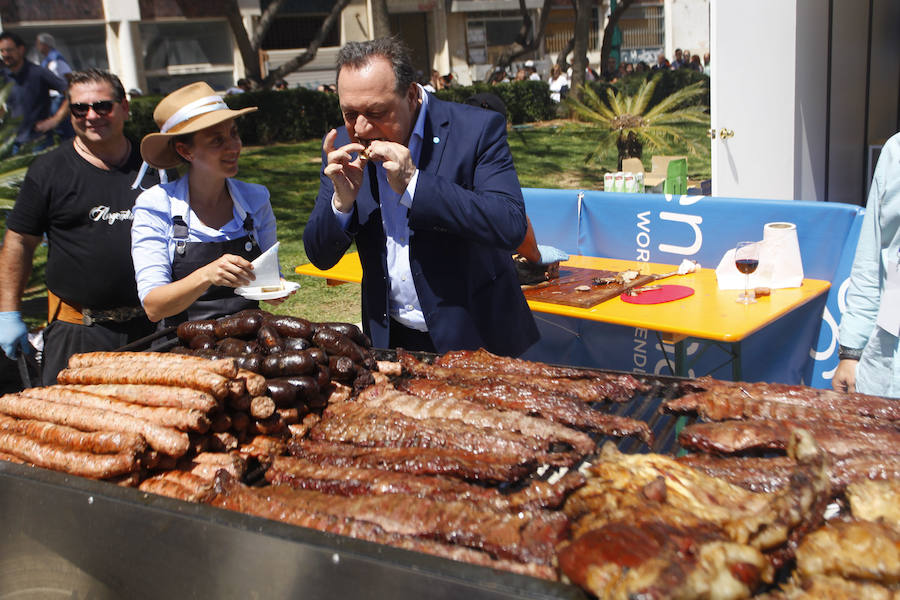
<point>746,259</point>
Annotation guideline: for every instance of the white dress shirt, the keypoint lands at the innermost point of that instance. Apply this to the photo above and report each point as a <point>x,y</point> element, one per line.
<point>152,238</point>
<point>403,301</point>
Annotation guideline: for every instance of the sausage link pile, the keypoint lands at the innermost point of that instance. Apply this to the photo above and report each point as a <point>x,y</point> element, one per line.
<point>302,366</point>
<point>172,420</point>
<point>117,415</point>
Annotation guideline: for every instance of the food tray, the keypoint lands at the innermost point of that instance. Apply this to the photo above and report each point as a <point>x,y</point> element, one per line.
<point>562,290</point>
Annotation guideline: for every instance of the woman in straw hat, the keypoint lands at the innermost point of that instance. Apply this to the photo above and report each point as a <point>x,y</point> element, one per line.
<point>192,240</point>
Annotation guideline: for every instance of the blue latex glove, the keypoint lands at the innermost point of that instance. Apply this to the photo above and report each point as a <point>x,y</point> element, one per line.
<point>13,334</point>
<point>549,254</point>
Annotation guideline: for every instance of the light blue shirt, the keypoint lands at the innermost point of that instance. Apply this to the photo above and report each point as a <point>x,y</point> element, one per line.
<point>152,239</point>
<point>56,63</point>
<point>403,300</point>
<point>878,371</point>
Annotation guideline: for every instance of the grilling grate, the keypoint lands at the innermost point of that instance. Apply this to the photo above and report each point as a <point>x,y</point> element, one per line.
<point>646,407</point>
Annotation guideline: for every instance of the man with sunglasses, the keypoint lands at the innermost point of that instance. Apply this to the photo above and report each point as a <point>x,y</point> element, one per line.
<point>80,197</point>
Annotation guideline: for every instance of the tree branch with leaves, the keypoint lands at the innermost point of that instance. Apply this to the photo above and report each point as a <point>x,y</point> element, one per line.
<point>249,46</point>
<point>528,39</point>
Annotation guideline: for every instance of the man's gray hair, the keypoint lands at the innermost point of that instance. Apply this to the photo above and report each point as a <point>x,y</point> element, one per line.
<point>46,38</point>
<point>358,54</point>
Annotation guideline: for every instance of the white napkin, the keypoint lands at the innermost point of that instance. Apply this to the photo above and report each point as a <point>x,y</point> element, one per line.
<point>729,278</point>
<point>688,266</point>
<point>780,264</point>
<point>266,268</point>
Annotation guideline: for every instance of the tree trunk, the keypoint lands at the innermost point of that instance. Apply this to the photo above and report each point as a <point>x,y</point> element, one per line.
<point>249,52</point>
<point>304,57</point>
<point>381,22</point>
<point>265,21</point>
<point>579,53</point>
<point>570,45</point>
<point>606,46</point>
<point>250,49</point>
<point>563,55</point>
<point>629,146</point>
<point>528,39</point>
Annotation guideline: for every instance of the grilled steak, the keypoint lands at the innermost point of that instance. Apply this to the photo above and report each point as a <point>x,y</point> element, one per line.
<point>828,402</point>
<point>560,409</point>
<point>614,387</point>
<point>837,440</point>
<point>489,468</point>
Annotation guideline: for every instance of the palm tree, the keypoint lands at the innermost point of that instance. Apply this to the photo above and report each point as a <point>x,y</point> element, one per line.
<point>628,121</point>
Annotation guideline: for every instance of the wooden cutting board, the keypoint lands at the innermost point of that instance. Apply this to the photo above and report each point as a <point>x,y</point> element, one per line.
<point>562,290</point>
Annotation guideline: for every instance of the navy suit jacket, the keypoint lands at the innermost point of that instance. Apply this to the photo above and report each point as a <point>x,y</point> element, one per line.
<point>466,220</point>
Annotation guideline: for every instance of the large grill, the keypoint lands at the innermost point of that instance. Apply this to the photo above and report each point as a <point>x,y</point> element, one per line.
<point>94,539</point>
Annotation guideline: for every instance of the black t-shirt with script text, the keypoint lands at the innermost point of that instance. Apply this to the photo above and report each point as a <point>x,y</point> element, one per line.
<point>85,212</point>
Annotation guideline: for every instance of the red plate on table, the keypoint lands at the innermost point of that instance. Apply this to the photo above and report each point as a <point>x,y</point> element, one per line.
<point>665,293</point>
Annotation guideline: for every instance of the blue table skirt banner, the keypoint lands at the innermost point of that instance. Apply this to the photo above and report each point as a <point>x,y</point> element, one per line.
<point>798,348</point>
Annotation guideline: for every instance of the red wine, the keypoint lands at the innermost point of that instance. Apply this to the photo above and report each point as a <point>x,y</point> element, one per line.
<point>746,265</point>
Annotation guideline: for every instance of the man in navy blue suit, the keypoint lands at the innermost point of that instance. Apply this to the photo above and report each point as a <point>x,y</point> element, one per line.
<point>429,192</point>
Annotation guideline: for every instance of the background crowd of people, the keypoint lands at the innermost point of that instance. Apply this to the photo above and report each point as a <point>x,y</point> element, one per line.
<point>38,96</point>
<point>560,80</point>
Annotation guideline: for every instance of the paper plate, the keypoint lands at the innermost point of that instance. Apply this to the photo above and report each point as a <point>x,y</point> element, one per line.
<point>256,293</point>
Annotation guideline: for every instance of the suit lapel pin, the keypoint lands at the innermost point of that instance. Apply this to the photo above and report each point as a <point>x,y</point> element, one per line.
<point>436,140</point>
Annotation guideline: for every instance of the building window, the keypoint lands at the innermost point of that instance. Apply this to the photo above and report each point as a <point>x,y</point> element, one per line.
<point>561,28</point>
<point>643,32</point>
<point>297,31</point>
<point>175,52</point>
<point>487,36</point>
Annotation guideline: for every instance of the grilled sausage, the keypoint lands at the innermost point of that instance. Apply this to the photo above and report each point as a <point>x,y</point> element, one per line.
<point>255,383</point>
<point>351,331</point>
<point>269,339</point>
<point>288,363</point>
<point>224,367</point>
<point>186,376</point>
<point>250,362</point>
<point>190,329</point>
<point>242,325</point>
<point>290,344</point>
<point>262,407</point>
<point>164,439</point>
<point>323,376</point>
<point>292,327</point>
<point>96,442</point>
<point>179,418</point>
<point>236,347</point>
<point>84,464</point>
<point>318,355</point>
<point>282,392</point>
<point>342,369</point>
<point>202,342</point>
<point>152,395</point>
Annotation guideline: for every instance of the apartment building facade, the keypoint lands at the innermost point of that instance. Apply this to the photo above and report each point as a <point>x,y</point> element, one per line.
<point>158,45</point>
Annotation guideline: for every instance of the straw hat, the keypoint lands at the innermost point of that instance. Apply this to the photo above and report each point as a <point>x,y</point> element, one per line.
<point>186,110</point>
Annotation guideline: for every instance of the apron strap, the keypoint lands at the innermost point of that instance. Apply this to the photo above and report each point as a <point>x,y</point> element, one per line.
<point>247,219</point>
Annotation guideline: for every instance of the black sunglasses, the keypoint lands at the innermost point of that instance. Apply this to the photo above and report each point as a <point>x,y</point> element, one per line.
<point>102,108</point>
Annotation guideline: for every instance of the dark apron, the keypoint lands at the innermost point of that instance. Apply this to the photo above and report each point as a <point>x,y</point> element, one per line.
<point>218,300</point>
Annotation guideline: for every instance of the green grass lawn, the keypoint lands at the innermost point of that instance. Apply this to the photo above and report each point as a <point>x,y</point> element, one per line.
<point>545,157</point>
<point>550,156</point>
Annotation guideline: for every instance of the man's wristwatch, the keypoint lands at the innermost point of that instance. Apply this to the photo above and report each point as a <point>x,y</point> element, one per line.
<point>845,353</point>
